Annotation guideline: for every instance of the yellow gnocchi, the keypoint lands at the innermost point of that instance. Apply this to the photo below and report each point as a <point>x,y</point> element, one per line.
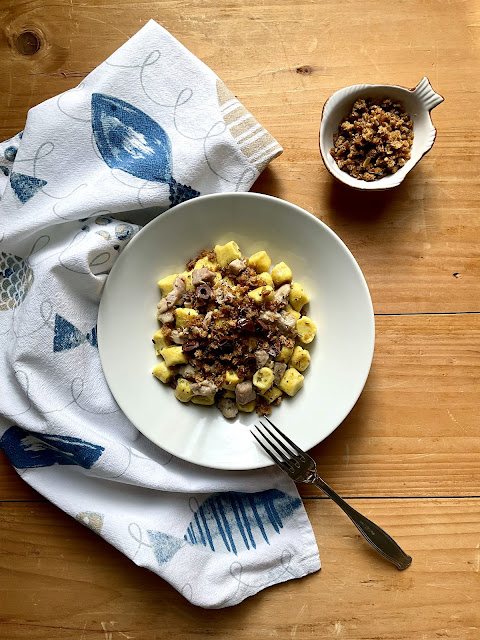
<point>247,408</point>
<point>173,356</point>
<point>260,261</point>
<point>206,262</point>
<point>292,382</point>
<point>281,274</point>
<point>160,341</point>
<point>205,400</point>
<point>263,379</point>
<point>261,294</point>
<point>183,317</point>
<point>297,297</point>
<point>306,329</point>
<point>285,354</point>
<point>188,280</point>
<point>227,253</point>
<point>300,358</point>
<point>266,278</point>
<point>163,373</point>
<point>272,394</point>
<point>166,284</point>
<point>183,391</point>
<point>231,380</point>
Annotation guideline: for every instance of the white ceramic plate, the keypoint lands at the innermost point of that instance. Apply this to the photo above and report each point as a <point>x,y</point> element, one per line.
<point>340,305</point>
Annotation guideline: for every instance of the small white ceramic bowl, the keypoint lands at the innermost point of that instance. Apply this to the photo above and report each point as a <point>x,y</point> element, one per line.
<point>418,103</point>
<point>340,305</point>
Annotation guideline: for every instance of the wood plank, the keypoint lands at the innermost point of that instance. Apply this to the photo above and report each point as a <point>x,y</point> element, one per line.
<point>12,487</point>
<point>61,581</point>
<point>414,431</point>
<point>283,60</point>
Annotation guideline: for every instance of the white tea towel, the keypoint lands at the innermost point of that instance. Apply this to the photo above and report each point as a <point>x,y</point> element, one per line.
<point>150,127</point>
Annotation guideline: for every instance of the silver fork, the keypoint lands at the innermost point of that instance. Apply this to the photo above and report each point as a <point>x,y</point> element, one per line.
<point>302,468</point>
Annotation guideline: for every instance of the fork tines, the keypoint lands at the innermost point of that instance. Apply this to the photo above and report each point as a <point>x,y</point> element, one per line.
<point>287,454</point>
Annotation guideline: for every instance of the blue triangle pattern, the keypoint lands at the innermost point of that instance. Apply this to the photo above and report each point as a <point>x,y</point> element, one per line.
<point>66,335</point>
<point>25,187</point>
<point>164,546</point>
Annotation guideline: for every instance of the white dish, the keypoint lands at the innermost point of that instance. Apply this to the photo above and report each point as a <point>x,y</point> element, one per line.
<point>418,103</point>
<point>340,305</point>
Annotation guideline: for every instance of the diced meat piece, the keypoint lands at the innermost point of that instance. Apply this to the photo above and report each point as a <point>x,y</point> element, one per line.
<point>204,388</point>
<point>187,371</point>
<point>178,336</point>
<point>237,266</point>
<point>279,369</point>
<point>281,294</point>
<point>202,275</point>
<point>269,316</point>
<point>228,408</point>
<point>286,323</point>
<point>176,293</point>
<point>162,306</point>
<point>166,317</point>
<point>244,392</point>
<point>261,357</point>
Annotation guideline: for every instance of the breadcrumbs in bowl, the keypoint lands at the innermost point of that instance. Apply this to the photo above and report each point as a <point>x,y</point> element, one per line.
<point>371,136</point>
<point>374,140</point>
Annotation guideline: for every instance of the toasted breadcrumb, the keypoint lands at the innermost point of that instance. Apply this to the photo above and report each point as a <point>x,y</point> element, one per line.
<point>374,140</point>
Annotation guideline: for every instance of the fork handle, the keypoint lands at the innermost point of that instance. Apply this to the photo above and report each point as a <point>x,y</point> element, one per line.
<point>373,534</point>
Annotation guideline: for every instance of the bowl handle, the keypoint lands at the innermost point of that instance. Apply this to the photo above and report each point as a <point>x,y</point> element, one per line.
<point>427,95</point>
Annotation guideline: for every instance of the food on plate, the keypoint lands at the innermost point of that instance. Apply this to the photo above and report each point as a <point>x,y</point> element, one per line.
<point>229,332</point>
<point>374,140</point>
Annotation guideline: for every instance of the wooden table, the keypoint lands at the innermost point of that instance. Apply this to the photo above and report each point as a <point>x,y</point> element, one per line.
<point>407,455</point>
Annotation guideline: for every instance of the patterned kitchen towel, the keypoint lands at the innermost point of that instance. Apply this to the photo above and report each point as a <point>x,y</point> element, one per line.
<point>151,127</point>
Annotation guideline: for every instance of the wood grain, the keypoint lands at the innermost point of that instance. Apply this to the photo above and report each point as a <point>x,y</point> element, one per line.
<point>59,581</point>
<point>414,431</point>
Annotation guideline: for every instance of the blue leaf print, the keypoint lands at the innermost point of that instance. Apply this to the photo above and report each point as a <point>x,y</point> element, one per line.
<point>230,522</point>
<point>25,187</point>
<point>130,140</point>
<point>29,450</point>
<point>67,336</point>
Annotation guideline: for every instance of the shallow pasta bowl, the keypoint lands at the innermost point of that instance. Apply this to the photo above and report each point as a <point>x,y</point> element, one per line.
<point>340,304</point>
<point>418,103</point>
